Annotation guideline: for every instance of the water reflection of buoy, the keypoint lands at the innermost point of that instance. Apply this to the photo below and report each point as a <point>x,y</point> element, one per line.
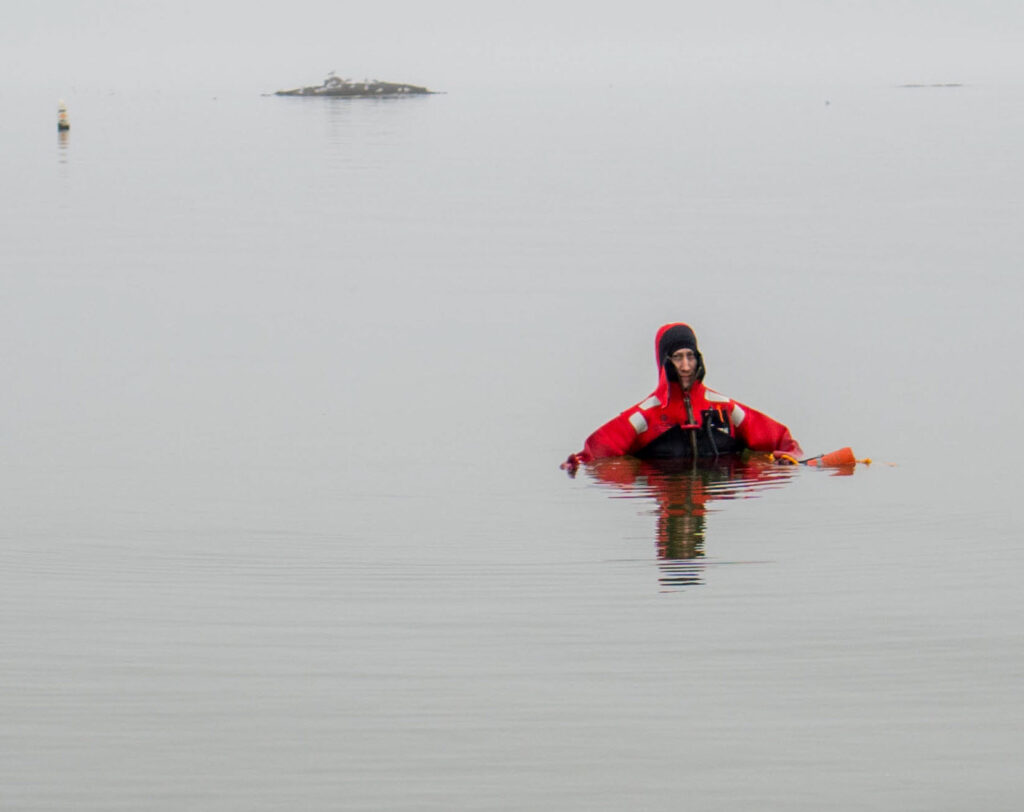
<point>62,117</point>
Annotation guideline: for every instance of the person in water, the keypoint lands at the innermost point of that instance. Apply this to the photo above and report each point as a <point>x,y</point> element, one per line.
<point>683,418</point>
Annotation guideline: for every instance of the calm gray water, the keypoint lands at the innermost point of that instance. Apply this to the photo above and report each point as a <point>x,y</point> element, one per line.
<point>286,386</point>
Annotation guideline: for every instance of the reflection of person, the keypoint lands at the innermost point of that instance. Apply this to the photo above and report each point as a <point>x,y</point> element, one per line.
<point>683,494</point>
<point>683,418</point>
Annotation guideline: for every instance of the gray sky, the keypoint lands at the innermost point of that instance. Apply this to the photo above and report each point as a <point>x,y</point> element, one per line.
<point>226,44</point>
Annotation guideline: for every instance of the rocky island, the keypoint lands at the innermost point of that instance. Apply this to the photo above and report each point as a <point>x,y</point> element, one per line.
<point>336,86</point>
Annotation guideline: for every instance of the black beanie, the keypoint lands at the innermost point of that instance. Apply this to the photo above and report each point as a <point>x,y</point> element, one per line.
<point>680,337</point>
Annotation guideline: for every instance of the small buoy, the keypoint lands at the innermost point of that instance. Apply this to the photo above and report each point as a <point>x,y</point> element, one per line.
<point>836,459</point>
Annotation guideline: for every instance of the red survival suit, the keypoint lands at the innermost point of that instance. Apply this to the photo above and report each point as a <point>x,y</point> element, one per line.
<point>674,423</point>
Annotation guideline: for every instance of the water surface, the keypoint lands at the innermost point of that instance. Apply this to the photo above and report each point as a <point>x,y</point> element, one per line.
<point>288,381</point>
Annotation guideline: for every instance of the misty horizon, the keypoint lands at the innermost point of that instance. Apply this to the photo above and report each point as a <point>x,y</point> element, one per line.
<point>227,46</point>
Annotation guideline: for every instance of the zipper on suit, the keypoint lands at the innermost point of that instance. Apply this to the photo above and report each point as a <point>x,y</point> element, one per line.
<point>690,421</point>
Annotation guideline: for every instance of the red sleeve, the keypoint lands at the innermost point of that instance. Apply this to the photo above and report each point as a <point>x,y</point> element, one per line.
<point>613,439</point>
<point>761,433</point>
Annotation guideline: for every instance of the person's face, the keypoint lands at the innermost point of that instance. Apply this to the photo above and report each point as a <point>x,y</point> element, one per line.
<point>685,362</point>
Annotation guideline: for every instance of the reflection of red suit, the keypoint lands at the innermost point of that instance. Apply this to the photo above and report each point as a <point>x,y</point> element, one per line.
<point>704,421</point>
<point>682,492</point>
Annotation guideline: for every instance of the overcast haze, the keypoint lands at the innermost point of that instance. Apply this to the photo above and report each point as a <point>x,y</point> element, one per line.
<point>229,45</point>
<point>287,383</point>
